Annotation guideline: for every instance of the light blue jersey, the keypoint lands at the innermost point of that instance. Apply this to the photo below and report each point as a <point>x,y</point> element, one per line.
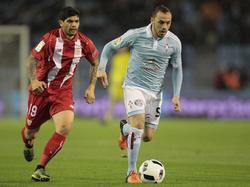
<point>149,59</point>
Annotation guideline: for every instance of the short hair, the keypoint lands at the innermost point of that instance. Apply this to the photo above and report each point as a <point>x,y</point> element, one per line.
<point>160,8</point>
<point>67,12</point>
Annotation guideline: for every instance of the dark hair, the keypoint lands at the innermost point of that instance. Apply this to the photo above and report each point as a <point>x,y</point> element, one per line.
<point>160,8</point>
<point>68,12</point>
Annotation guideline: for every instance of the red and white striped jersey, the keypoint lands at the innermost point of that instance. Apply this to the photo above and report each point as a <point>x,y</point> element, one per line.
<point>58,58</point>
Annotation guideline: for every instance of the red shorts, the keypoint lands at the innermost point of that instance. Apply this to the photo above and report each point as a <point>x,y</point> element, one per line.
<point>42,107</point>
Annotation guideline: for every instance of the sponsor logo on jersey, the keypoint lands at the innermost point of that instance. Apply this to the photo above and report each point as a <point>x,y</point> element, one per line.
<point>40,46</point>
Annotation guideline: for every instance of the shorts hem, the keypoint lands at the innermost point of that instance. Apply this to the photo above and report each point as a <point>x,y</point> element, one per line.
<point>135,112</point>
<point>60,110</point>
<point>150,125</point>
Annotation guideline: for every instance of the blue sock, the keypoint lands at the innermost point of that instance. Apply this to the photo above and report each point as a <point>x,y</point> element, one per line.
<point>126,129</point>
<point>134,142</point>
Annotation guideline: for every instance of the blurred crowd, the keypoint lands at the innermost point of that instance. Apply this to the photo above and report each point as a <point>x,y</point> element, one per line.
<point>214,34</point>
<point>230,78</point>
<point>195,21</point>
<point>214,26</point>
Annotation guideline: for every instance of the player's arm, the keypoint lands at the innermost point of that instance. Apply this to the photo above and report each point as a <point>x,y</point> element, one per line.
<point>107,53</point>
<point>36,85</point>
<point>177,76</point>
<point>177,82</point>
<point>92,55</point>
<point>39,53</point>
<point>126,40</point>
<point>89,94</point>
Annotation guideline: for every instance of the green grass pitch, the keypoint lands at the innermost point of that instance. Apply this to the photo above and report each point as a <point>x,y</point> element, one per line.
<point>195,152</point>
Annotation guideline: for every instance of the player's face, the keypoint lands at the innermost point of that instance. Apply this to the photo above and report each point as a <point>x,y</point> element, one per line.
<point>161,23</point>
<point>70,26</point>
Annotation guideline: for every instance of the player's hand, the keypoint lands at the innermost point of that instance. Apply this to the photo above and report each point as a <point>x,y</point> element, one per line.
<point>176,103</point>
<point>102,75</point>
<point>89,95</point>
<point>38,86</point>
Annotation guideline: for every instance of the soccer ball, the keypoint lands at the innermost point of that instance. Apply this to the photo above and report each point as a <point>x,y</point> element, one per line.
<point>152,171</point>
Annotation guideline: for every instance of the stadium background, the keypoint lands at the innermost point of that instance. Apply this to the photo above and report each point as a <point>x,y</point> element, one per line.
<point>214,35</point>
<point>200,147</point>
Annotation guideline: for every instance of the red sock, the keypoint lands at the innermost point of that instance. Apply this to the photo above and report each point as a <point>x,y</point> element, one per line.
<point>53,146</point>
<point>28,143</point>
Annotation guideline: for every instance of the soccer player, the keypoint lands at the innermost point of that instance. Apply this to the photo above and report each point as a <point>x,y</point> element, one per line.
<point>152,49</point>
<point>51,67</point>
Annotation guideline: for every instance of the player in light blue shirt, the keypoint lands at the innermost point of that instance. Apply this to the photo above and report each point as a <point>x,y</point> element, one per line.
<point>152,49</point>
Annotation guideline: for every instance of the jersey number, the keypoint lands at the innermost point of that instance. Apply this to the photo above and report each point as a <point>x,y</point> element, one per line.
<point>32,110</point>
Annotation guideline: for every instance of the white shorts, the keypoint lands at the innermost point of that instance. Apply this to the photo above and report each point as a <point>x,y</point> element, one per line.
<point>141,101</point>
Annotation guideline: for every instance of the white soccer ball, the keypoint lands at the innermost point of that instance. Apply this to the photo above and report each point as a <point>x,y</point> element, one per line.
<point>152,171</point>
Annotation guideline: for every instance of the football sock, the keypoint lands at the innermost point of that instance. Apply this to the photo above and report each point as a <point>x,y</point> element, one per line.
<point>126,129</point>
<point>134,142</point>
<point>53,146</point>
<point>28,142</point>
<point>39,167</point>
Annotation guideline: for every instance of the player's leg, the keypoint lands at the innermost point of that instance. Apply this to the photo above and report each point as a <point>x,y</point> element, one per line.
<point>125,128</point>
<point>135,106</point>
<point>148,134</point>
<point>133,101</point>
<point>28,136</point>
<point>63,122</point>
<point>62,114</point>
<point>37,114</point>
<point>134,142</point>
<point>153,111</point>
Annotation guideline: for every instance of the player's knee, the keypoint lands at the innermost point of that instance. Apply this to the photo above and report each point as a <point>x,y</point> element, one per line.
<point>64,129</point>
<point>139,125</point>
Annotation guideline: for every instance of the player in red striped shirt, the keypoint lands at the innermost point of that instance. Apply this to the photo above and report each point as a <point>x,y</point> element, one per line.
<point>51,67</point>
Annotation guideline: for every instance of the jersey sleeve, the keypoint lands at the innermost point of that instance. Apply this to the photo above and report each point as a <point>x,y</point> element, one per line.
<point>176,57</point>
<point>177,74</point>
<point>41,51</point>
<point>126,40</point>
<point>91,52</point>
